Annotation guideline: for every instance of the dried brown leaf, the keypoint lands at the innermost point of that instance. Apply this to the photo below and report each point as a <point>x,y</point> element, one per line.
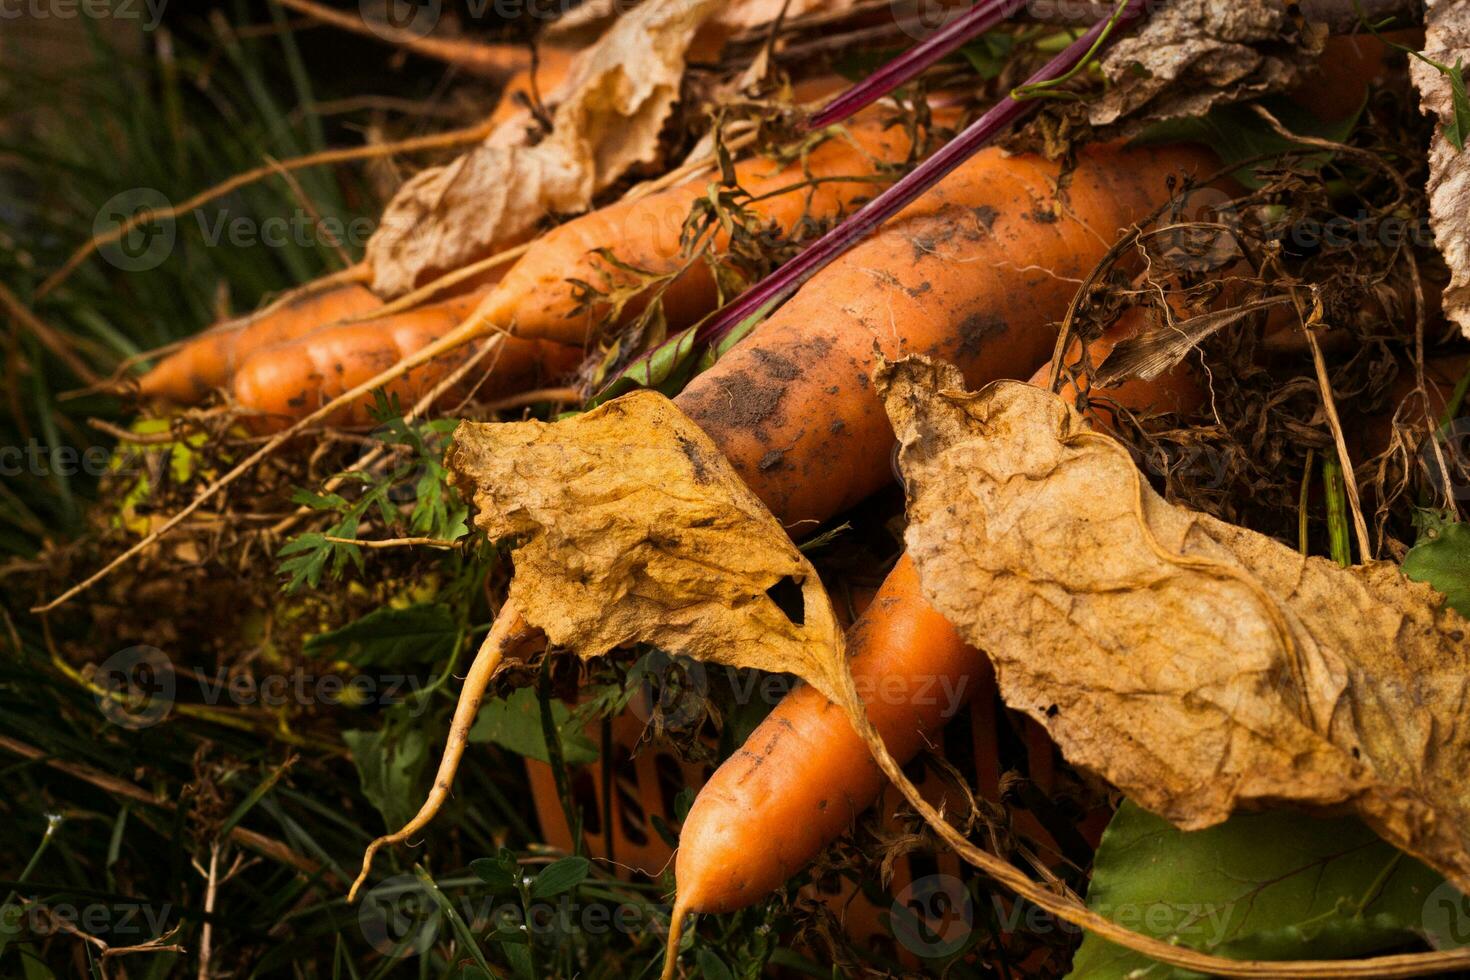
<point>1199,667</point>
<point>608,119</point>
<point>629,525</point>
<point>1194,54</point>
<point>1446,39</point>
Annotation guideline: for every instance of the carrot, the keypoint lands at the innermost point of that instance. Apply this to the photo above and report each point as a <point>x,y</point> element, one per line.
<point>804,769</point>
<point>290,380</point>
<point>538,293</point>
<point>208,361</point>
<point>975,272</point>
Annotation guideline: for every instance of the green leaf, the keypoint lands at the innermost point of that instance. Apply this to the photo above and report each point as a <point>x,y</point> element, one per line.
<point>500,873</point>
<point>1442,558</point>
<point>1456,129</point>
<point>560,876</point>
<point>1237,134</point>
<point>988,54</point>
<point>1273,885</point>
<point>711,967</point>
<point>514,723</point>
<point>391,637</point>
<point>390,767</point>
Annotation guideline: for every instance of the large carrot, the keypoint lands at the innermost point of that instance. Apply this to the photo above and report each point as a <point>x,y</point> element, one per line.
<point>291,380</point>
<point>209,360</point>
<point>977,276</point>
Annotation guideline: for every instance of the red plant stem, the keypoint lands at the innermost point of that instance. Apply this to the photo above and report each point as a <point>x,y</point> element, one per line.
<point>977,20</point>
<point>867,218</point>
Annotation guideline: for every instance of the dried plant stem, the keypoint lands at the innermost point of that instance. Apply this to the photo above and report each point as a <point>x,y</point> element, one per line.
<point>490,60</point>
<point>53,341</point>
<point>1350,481</point>
<point>395,542</point>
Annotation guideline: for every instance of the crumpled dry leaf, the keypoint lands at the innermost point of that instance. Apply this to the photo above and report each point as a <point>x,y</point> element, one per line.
<point>1200,668</point>
<point>631,526</point>
<point>1194,54</point>
<point>1446,39</point>
<point>608,119</point>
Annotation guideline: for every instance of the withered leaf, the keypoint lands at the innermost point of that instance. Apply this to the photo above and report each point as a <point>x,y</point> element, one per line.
<point>1446,38</point>
<point>607,118</point>
<point>1194,54</point>
<point>1199,667</point>
<point>629,525</point>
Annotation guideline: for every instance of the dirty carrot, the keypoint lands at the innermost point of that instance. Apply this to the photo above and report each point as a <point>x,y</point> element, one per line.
<point>539,293</point>
<point>977,276</point>
<point>289,381</point>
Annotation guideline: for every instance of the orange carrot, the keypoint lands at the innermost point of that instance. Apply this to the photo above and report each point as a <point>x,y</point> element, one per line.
<point>288,381</point>
<point>538,294</point>
<point>208,361</point>
<point>976,272</point>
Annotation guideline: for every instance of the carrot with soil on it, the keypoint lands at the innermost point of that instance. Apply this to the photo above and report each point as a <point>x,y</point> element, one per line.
<point>291,380</point>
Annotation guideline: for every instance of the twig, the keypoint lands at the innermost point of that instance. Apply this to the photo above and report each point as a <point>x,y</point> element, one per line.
<point>489,60</point>
<point>395,542</point>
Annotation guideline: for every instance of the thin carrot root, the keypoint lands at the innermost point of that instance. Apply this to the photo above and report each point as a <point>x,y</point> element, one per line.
<point>676,934</point>
<point>509,627</point>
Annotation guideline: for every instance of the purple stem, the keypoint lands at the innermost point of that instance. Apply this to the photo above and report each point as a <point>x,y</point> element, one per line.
<point>977,20</point>
<point>862,221</point>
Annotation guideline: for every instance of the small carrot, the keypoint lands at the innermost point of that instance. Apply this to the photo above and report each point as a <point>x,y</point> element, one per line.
<point>288,381</point>
<point>209,360</point>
